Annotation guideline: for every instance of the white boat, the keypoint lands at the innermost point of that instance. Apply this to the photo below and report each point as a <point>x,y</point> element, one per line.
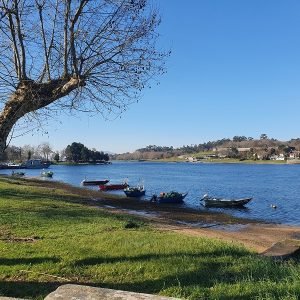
<point>221,202</point>
<point>47,174</point>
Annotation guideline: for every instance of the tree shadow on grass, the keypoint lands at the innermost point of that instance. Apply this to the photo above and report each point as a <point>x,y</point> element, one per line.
<point>192,279</point>
<point>27,261</point>
<point>39,290</point>
<point>185,284</point>
<point>205,276</point>
<point>233,253</point>
<point>28,289</point>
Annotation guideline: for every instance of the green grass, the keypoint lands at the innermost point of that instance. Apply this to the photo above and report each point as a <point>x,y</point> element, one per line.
<point>47,239</point>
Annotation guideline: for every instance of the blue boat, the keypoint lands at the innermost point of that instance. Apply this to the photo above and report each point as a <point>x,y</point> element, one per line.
<point>35,164</point>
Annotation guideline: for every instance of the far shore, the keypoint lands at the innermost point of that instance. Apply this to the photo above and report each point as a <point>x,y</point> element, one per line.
<point>219,161</point>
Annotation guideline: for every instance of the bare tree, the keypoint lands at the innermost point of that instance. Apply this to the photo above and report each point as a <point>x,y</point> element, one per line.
<point>84,55</point>
<point>28,152</point>
<point>45,150</point>
<point>13,153</point>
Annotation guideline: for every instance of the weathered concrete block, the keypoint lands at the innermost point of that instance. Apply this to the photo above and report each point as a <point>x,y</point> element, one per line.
<point>82,292</point>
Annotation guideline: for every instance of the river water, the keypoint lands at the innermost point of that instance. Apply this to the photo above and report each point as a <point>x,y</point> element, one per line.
<point>268,184</point>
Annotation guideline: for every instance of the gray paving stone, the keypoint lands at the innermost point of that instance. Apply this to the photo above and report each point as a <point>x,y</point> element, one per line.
<point>82,292</point>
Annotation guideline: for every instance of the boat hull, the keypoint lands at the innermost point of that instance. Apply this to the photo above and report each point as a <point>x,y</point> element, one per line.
<point>94,182</point>
<point>11,167</point>
<point>18,174</point>
<point>48,174</point>
<point>135,193</point>
<point>175,200</point>
<point>113,187</point>
<point>226,203</point>
<point>36,164</point>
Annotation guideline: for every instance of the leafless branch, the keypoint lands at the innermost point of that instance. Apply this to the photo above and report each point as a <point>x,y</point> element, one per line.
<point>92,56</point>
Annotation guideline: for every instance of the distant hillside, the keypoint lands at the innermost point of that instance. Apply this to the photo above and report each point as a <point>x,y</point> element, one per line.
<point>238,147</point>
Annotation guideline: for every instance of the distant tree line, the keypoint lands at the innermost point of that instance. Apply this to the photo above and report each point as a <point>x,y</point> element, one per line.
<point>77,152</point>
<point>43,151</point>
<point>268,146</point>
<point>155,148</point>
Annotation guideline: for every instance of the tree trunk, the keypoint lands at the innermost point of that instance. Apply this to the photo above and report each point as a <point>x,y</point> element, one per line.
<point>31,96</point>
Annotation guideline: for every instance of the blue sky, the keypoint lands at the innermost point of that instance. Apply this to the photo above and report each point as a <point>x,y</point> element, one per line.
<point>234,70</point>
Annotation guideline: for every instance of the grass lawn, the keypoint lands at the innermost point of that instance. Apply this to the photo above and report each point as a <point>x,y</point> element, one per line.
<point>47,238</point>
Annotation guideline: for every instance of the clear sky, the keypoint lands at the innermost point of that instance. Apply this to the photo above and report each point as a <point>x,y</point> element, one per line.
<point>234,70</point>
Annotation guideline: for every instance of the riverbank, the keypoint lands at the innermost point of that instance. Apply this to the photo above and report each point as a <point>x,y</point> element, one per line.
<point>52,233</point>
<point>256,235</point>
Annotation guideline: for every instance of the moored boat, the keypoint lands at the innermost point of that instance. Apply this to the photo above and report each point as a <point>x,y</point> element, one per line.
<point>221,202</point>
<point>94,182</point>
<point>171,197</point>
<point>137,191</point>
<point>47,174</point>
<point>11,166</point>
<point>35,164</point>
<point>113,187</point>
<point>17,174</point>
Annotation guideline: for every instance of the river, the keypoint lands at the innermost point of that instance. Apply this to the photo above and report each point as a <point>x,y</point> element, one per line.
<point>268,184</point>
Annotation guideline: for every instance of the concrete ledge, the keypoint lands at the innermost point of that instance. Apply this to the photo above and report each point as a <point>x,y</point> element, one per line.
<point>82,292</point>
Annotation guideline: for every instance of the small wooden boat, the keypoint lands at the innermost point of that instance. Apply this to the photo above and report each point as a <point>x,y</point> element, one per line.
<point>113,187</point>
<point>171,197</point>
<point>94,182</point>
<point>47,174</point>
<point>137,191</point>
<point>17,174</point>
<point>221,202</point>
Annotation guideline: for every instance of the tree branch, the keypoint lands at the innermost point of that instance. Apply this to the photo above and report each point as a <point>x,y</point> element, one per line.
<point>16,54</point>
<point>72,37</point>
<point>40,10</point>
<point>66,25</point>
<point>20,38</point>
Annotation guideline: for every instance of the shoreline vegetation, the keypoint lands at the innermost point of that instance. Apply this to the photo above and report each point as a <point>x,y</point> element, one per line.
<point>217,161</point>
<point>52,233</point>
<point>238,149</point>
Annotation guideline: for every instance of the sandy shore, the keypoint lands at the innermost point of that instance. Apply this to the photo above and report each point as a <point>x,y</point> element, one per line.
<point>255,235</point>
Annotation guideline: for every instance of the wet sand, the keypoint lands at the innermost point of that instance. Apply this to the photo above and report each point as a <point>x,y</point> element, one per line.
<point>256,235</point>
